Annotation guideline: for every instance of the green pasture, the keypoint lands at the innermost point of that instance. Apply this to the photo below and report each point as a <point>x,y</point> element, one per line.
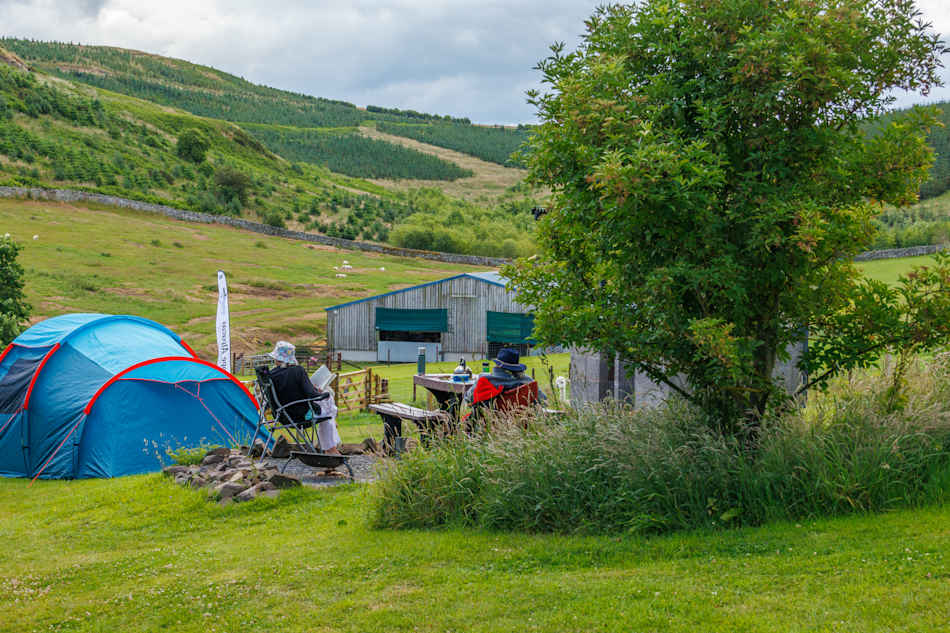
<point>142,554</point>
<point>98,259</point>
<point>888,270</point>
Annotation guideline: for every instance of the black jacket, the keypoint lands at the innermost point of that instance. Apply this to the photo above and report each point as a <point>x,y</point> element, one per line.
<point>292,383</point>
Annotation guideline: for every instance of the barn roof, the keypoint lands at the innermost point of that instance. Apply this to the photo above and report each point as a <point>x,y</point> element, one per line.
<point>491,277</point>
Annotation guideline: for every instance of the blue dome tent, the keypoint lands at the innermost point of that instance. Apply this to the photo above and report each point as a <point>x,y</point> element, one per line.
<point>95,395</point>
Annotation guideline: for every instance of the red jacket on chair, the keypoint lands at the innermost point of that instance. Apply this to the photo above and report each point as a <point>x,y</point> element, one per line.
<point>503,392</point>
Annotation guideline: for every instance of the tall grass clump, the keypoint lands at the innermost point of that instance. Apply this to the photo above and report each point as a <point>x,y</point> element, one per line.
<point>613,469</point>
<point>429,488</point>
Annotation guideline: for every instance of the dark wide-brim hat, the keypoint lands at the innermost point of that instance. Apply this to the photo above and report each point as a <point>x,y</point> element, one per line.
<point>508,359</point>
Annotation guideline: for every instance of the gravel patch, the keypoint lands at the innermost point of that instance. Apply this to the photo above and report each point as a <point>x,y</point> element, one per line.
<point>364,471</point>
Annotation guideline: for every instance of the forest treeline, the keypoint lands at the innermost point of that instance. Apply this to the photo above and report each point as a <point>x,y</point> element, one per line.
<point>494,144</point>
<point>412,114</point>
<point>348,152</point>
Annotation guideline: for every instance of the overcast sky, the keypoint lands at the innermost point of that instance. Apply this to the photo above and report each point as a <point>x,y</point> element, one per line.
<point>442,56</point>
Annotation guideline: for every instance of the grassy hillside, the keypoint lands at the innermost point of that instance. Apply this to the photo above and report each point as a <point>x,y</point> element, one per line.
<point>201,90</point>
<point>54,133</point>
<point>142,554</point>
<point>89,259</point>
<point>927,222</point>
<point>888,270</point>
<point>212,93</point>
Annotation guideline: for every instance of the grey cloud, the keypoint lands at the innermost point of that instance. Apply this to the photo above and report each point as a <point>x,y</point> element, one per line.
<point>90,8</point>
<point>441,56</point>
<point>76,8</point>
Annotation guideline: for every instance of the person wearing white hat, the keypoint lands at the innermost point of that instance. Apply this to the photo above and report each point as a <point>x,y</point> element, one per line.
<point>292,384</point>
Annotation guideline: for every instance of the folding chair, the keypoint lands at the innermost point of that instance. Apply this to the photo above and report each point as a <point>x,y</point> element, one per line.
<point>493,398</point>
<point>302,432</point>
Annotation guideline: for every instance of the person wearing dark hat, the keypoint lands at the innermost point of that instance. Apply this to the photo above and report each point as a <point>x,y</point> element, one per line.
<point>508,374</point>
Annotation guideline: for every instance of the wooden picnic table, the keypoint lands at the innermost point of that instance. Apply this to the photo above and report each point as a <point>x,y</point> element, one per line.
<point>447,392</point>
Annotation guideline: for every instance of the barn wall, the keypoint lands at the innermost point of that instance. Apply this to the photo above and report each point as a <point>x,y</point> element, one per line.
<point>467,299</point>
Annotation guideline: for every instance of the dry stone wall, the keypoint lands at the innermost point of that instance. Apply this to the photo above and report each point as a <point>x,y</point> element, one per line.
<point>894,253</point>
<point>69,195</point>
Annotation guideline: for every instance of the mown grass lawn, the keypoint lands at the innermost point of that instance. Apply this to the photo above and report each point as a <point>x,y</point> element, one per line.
<point>141,554</point>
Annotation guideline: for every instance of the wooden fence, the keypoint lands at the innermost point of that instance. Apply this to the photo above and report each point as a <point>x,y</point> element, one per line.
<point>308,357</point>
<point>356,390</point>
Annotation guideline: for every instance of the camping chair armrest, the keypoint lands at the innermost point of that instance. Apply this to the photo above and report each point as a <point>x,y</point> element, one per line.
<point>307,400</point>
<point>290,404</point>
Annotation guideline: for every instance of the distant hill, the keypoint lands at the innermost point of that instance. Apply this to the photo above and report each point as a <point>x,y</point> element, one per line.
<point>492,143</point>
<point>201,90</point>
<point>53,133</point>
<point>57,133</point>
<point>209,92</point>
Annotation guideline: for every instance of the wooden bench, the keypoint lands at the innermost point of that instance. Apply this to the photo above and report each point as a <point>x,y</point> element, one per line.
<point>393,413</point>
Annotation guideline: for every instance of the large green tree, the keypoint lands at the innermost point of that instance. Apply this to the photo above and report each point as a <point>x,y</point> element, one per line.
<point>711,181</point>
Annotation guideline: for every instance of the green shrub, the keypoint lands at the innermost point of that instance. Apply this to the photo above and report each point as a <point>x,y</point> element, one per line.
<point>192,146</point>
<point>273,218</point>
<point>612,469</point>
<point>186,456</point>
<point>232,184</point>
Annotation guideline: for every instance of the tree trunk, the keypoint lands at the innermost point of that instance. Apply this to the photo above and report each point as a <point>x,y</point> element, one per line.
<point>764,364</point>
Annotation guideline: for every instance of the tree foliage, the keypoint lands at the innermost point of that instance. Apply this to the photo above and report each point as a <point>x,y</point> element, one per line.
<point>14,310</point>
<point>192,146</point>
<point>939,139</point>
<point>233,184</point>
<point>711,180</point>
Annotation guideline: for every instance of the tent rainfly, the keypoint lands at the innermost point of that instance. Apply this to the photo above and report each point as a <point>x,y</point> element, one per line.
<point>95,395</point>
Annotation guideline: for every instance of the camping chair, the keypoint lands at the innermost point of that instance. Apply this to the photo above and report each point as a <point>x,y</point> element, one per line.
<point>302,432</point>
<point>506,400</point>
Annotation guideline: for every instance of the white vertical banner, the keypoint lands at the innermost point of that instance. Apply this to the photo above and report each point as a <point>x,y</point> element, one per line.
<point>223,324</point>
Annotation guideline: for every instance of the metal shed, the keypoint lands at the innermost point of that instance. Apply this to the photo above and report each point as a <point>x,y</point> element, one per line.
<point>468,315</point>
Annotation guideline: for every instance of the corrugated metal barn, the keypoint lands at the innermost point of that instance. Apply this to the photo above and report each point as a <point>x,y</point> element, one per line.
<point>469,315</point>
